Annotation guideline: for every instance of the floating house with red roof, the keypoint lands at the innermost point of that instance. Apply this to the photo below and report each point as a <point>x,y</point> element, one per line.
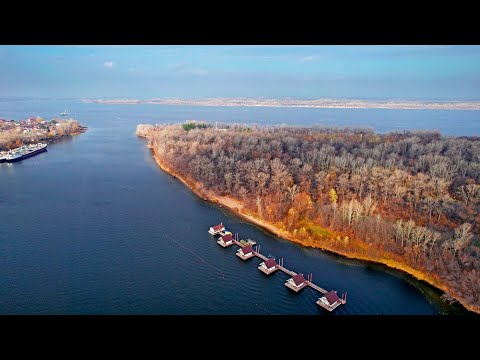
<point>331,300</point>
<point>245,252</point>
<point>225,240</point>
<point>268,266</point>
<point>296,283</point>
<point>217,229</point>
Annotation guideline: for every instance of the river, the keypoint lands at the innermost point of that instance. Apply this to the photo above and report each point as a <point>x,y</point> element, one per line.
<point>94,226</point>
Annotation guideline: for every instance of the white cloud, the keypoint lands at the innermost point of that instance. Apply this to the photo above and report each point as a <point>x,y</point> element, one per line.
<point>109,64</point>
<point>306,59</point>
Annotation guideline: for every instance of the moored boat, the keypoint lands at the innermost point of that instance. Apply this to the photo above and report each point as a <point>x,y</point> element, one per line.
<point>3,156</point>
<point>24,152</point>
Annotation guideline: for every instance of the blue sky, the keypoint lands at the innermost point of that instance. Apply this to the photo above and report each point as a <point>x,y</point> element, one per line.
<point>194,71</point>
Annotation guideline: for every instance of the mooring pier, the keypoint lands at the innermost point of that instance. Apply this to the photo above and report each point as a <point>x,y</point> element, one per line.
<point>329,300</point>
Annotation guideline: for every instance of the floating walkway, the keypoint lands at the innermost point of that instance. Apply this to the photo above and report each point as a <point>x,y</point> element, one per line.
<point>329,299</point>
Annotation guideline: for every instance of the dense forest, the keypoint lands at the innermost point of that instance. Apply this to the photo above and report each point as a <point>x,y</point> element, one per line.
<point>412,197</point>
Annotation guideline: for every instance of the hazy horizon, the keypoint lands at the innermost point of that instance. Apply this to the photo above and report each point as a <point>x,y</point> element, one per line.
<point>402,72</point>
<point>364,98</point>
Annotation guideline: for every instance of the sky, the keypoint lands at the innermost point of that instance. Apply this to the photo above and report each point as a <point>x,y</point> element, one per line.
<point>265,71</point>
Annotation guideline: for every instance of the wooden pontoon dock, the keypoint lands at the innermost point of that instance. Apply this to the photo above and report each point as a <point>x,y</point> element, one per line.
<point>329,299</point>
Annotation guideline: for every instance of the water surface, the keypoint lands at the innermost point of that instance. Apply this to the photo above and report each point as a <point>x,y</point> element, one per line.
<point>94,226</point>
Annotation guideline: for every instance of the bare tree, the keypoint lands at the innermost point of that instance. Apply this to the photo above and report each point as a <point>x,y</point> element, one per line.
<point>228,182</point>
<point>320,180</point>
<point>343,184</point>
<point>469,193</point>
<point>262,179</point>
<point>243,192</point>
<point>462,237</point>
<point>258,202</point>
<point>292,191</point>
<point>369,205</point>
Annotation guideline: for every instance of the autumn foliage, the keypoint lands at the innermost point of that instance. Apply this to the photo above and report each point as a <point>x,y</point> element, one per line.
<point>409,198</point>
<point>12,136</point>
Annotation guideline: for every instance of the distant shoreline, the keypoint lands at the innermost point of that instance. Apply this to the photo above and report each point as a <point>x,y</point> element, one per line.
<point>318,103</point>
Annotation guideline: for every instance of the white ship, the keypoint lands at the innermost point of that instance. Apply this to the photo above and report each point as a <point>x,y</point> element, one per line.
<point>25,151</point>
<point>3,156</point>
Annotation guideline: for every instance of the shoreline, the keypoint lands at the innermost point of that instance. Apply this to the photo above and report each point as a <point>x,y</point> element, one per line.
<point>236,207</point>
<point>55,139</point>
<point>297,103</point>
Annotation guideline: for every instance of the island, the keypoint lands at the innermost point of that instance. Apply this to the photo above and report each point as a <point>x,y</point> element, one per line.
<point>409,200</point>
<point>16,133</point>
<point>305,103</point>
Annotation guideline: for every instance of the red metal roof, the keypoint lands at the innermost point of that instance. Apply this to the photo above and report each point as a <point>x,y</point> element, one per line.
<point>247,250</point>
<point>227,238</point>
<point>332,297</point>
<point>298,279</point>
<point>218,227</point>
<point>269,263</point>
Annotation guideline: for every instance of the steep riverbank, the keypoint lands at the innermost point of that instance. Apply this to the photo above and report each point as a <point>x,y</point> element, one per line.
<point>358,252</point>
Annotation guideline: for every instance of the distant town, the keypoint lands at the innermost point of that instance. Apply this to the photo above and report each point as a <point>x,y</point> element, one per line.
<point>15,133</point>
<point>311,103</point>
